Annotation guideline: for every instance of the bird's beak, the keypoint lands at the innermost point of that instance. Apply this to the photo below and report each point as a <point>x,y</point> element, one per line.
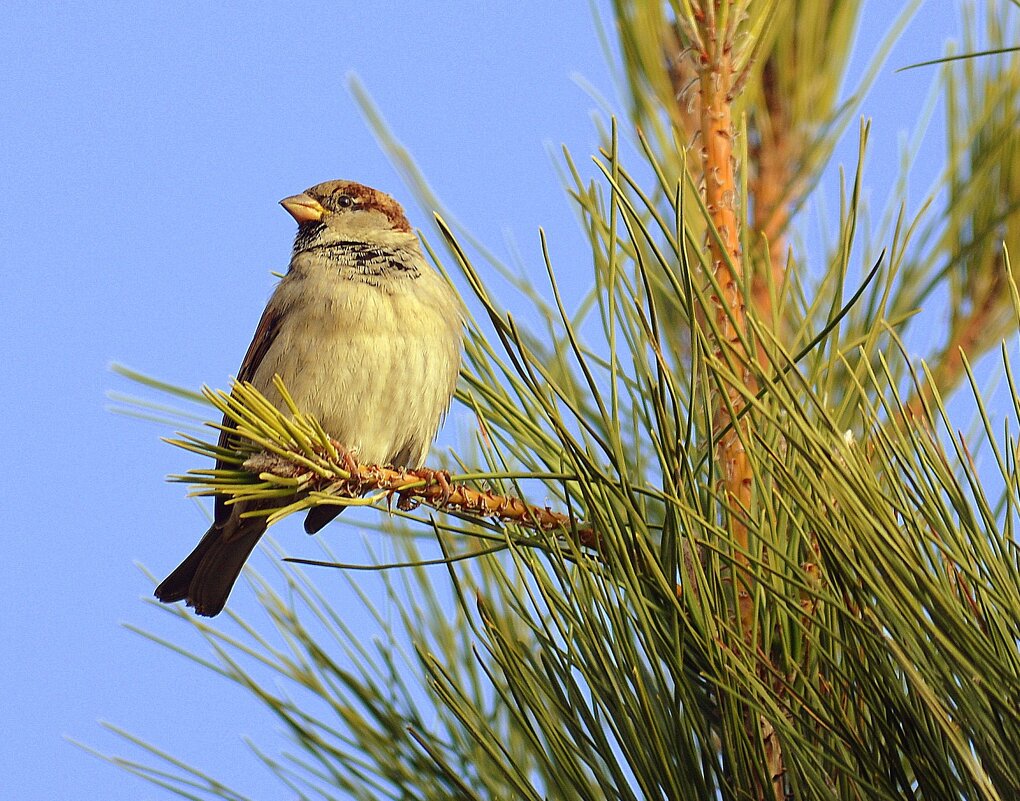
<point>303,208</point>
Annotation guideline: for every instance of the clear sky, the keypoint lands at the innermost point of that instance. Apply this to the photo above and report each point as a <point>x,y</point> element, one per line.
<point>143,149</point>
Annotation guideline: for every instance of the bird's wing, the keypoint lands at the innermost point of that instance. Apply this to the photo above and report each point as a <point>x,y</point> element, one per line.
<point>265,334</point>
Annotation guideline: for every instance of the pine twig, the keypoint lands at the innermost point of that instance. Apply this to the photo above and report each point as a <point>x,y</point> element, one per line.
<point>421,486</point>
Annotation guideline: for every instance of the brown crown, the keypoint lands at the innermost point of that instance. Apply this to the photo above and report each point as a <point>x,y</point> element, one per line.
<point>328,194</point>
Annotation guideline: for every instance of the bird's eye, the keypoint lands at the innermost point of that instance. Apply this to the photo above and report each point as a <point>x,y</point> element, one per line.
<point>345,201</point>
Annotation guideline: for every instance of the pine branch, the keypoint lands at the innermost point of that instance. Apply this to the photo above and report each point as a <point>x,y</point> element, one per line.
<point>718,72</point>
<point>290,459</point>
<point>421,486</point>
<point>721,63</point>
<point>775,154</point>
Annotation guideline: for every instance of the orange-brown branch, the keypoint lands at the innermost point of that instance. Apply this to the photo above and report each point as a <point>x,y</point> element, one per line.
<point>774,156</point>
<point>968,337</point>
<point>421,486</point>
<point>717,84</point>
<point>716,78</point>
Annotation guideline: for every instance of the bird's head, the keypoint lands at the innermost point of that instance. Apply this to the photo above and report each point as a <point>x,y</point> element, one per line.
<point>339,211</point>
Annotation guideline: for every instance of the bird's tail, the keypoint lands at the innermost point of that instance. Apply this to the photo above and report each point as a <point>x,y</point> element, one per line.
<point>207,576</point>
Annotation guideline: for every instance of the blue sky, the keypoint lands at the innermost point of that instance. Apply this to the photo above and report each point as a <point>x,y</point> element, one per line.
<point>143,149</point>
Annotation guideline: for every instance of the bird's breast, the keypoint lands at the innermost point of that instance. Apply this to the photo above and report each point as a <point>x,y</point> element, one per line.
<point>375,364</point>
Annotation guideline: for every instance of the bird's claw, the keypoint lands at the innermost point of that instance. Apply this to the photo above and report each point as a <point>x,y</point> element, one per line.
<point>442,478</point>
<point>349,462</point>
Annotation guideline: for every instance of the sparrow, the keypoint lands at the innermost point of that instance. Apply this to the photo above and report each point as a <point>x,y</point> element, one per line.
<point>366,336</point>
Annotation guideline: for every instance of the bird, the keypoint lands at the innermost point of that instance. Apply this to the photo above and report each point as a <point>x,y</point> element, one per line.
<point>366,336</point>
